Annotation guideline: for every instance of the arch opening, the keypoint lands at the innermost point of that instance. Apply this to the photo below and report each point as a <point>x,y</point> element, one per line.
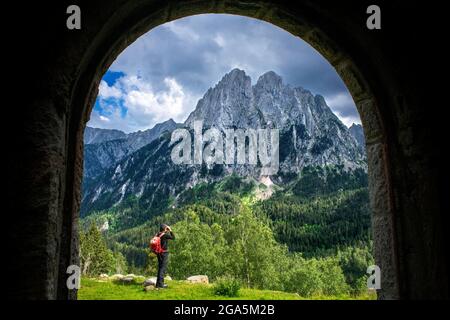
<point>107,47</point>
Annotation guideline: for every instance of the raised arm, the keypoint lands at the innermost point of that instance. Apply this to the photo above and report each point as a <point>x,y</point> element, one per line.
<point>168,234</point>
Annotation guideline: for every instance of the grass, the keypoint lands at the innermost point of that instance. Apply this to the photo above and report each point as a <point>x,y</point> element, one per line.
<point>95,289</point>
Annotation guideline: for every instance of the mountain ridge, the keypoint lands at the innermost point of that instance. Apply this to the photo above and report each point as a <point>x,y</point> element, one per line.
<point>106,149</point>
<point>310,135</point>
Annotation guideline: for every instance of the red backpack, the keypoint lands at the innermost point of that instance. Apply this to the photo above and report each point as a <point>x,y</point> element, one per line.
<point>155,243</point>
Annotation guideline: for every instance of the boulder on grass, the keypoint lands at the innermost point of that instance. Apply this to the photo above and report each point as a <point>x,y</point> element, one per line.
<point>198,279</point>
<point>149,288</point>
<point>150,282</point>
<point>104,276</point>
<point>127,280</point>
<point>117,276</point>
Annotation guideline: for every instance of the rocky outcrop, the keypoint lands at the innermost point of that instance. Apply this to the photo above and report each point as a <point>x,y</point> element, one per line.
<point>198,279</point>
<point>97,135</point>
<point>356,130</point>
<point>150,282</point>
<point>310,134</point>
<point>105,148</point>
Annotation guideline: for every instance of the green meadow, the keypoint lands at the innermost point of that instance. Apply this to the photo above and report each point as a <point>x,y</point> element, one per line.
<point>97,289</point>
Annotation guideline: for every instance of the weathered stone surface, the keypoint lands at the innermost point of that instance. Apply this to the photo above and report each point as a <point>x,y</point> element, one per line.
<point>117,276</point>
<point>378,181</point>
<point>324,45</point>
<point>370,120</point>
<point>353,79</point>
<point>384,255</point>
<point>198,279</point>
<point>126,280</point>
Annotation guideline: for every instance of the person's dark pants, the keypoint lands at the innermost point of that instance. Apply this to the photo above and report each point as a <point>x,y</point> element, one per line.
<point>163,259</point>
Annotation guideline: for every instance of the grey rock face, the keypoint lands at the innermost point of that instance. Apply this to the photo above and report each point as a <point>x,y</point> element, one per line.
<point>314,133</point>
<point>137,140</point>
<point>148,174</point>
<point>310,135</point>
<point>228,104</point>
<point>96,135</point>
<point>105,150</point>
<point>356,130</point>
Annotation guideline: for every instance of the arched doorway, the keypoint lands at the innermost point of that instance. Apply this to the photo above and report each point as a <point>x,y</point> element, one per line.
<point>336,31</point>
<point>357,85</point>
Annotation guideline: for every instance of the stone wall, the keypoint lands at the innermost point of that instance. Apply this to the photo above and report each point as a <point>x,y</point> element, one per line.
<point>407,188</point>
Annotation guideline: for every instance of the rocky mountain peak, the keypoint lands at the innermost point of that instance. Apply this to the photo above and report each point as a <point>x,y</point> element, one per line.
<point>97,135</point>
<point>310,134</point>
<point>356,130</point>
<point>104,148</point>
<point>235,73</point>
<point>355,126</point>
<point>166,125</point>
<point>269,80</point>
<point>236,78</point>
<point>228,104</point>
<point>320,100</point>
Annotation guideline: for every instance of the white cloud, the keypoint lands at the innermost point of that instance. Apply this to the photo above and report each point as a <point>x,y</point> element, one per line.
<point>105,91</point>
<point>219,39</point>
<point>104,119</point>
<point>181,31</point>
<point>195,52</point>
<point>142,106</point>
<point>343,105</point>
<point>348,121</point>
<point>339,101</point>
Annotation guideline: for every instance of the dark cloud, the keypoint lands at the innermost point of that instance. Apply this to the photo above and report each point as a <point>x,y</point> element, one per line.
<point>198,50</point>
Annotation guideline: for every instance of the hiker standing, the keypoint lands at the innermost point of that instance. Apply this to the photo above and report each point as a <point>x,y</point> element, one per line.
<point>159,246</point>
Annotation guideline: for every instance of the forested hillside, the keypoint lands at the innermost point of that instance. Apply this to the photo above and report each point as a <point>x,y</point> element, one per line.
<point>304,230</point>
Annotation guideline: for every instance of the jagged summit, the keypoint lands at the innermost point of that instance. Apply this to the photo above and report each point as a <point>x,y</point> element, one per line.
<point>234,78</point>
<point>356,130</point>
<point>236,72</point>
<point>104,148</point>
<point>269,79</point>
<point>310,135</point>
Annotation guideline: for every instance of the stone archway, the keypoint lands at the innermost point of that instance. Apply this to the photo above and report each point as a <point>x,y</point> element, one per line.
<point>359,88</point>
<point>337,32</point>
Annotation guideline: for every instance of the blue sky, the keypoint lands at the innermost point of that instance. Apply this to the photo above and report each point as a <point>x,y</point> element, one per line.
<point>165,72</point>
